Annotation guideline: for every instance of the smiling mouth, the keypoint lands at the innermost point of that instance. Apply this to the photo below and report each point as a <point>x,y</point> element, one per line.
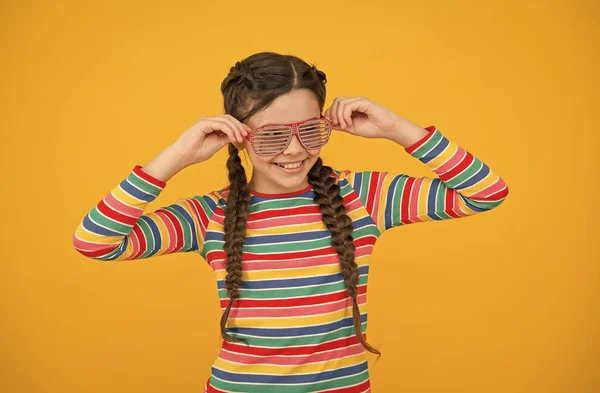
<point>294,165</point>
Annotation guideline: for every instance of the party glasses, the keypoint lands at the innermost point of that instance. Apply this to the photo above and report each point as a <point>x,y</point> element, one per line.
<point>272,139</point>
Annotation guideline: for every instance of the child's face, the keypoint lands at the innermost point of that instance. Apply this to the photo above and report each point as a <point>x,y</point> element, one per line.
<point>295,106</point>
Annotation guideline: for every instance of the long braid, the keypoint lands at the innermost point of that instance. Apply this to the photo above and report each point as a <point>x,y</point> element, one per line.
<point>251,85</point>
<point>331,205</point>
<point>236,217</point>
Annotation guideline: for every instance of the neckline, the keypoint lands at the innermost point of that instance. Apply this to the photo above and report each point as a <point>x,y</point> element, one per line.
<point>282,194</point>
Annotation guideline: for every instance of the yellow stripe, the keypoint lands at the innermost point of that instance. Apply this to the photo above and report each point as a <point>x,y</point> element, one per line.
<point>127,199</point>
<point>444,156</point>
<point>304,321</point>
<point>490,179</point>
<point>287,369</point>
<point>284,274</point>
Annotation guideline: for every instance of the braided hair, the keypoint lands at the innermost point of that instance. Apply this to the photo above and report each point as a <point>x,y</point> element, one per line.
<point>260,79</point>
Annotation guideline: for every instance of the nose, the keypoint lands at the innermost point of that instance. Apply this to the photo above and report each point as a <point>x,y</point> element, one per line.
<point>294,147</point>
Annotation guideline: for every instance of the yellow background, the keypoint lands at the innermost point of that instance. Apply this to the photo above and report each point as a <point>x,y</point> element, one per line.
<point>506,301</point>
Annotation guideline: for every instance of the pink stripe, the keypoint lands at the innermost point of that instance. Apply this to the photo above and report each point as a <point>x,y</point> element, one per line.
<point>295,263</point>
<point>413,210</point>
<point>497,186</point>
<point>284,221</point>
<point>376,203</point>
<point>171,234</point>
<point>318,357</point>
<point>289,312</point>
<point>456,158</point>
<point>87,246</point>
<point>135,243</point>
<point>119,206</point>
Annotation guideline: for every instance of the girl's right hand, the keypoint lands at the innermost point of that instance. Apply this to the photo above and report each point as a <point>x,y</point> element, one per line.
<point>208,135</point>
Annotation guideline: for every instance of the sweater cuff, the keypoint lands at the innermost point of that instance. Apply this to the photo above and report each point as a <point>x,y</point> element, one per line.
<point>410,149</point>
<point>148,178</point>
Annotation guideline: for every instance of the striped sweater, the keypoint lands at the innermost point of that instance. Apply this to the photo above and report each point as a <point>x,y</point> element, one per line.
<point>294,310</point>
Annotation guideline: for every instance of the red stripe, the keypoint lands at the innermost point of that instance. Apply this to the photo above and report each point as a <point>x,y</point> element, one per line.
<point>150,179</point>
<point>286,212</point>
<point>353,389</point>
<point>457,170</point>
<point>405,193</point>
<point>286,351</point>
<point>373,182</point>
<point>140,236</point>
<point>98,253</point>
<point>292,302</point>
<point>421,141</point>
<point>115,215</point>
<point>200,214</point>
<point>178,230</point>
<point>220,254</point>
<point>451,195</point>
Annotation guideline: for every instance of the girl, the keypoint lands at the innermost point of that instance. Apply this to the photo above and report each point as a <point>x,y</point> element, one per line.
<point>291,247</point>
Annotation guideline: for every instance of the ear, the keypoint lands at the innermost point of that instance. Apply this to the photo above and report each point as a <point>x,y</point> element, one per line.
<point>240,146</point>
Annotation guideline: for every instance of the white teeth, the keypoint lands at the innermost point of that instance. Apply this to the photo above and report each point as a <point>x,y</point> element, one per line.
<point>291,166</point>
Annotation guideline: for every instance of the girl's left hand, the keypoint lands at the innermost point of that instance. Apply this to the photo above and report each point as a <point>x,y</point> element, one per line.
<point>362,117</point>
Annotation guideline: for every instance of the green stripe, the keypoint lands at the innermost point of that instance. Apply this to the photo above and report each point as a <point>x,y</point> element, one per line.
<point>367,230</point>
<point>469,171</point>
<point>284,342</point>
<point>186,228</point>
<point>293,292</point>
<point>113,225</point>
<point>143,185</point>
<point>397,200</point>
<point>440,202</point>
<point>315,387</point>
<point>286,203</point>
<point>364,187</point>
<point>148,236</point>
<point>430,144</point>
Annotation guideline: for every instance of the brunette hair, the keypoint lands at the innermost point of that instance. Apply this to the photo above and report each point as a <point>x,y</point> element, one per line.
<point>252,84</point>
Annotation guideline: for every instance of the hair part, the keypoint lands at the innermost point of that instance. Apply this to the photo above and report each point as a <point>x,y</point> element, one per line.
<point>252,85</point>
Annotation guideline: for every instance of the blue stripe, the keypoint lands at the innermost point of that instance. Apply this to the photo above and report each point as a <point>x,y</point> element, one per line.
<point>290,379</point>
<point>297,331</point>
<point>388,220</point>
<point>117,252</point>
<point>357,182</point>
<point>293,282</point>
<point>436,184</point>
<point>308,194</point>
<point>155,234</point>
<point>136,192</point>
<point>92,227</point>
<point>191,224</point>
<point>476,178</point>
<point>212,205</point>
<point>214,235</point>
<point>437,150</point>
<point>471,205</point>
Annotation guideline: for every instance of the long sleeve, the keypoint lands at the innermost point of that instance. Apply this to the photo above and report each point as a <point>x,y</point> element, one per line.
<point>466,186</point>
<point>117,228</point>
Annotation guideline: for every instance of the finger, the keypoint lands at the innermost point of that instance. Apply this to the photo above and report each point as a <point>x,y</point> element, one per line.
<point>349,107</point>
<point>334,108</point>
<point>236,126</point>
<point>340,113</point>
<point>219,125</point>
<point>244,129</point>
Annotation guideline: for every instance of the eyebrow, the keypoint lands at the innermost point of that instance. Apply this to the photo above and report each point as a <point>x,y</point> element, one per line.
<point>274,124</point>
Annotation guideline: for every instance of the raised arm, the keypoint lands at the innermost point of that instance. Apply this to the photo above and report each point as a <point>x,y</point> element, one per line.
<point>465,186</point>
<point>117,229</point>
